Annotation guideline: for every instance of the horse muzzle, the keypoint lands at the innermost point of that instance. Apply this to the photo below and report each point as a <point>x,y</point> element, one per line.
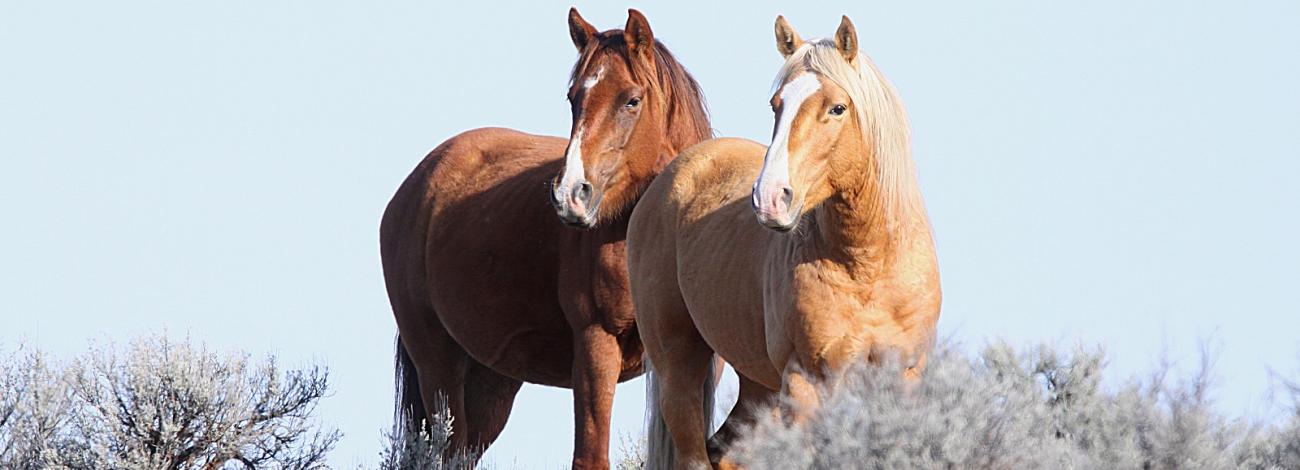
<point>575,204</point>
<point>775,207</point>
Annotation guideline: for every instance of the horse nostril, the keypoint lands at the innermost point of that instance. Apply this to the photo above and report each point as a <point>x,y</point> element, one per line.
<point>787,195</point>
<point>582,192</point>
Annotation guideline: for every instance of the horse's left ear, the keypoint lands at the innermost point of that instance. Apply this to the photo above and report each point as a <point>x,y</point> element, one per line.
<point>579,29</point>
<point>640,40</point>
<point>846,40</point>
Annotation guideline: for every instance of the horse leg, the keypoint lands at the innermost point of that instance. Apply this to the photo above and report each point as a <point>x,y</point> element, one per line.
<point>440,365</point>
<point>750,400</point>
<point>598,361</point>
<point>913,373</point>
<point>682,365</point>
<point>798,385</point>
<point>489,396</point>
<point>679,366</point>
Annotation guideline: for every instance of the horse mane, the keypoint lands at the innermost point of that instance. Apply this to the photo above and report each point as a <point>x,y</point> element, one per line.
<point>687,113</point>
<point>880,116</point>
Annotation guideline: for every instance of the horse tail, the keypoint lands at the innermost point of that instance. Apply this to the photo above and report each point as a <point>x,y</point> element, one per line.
<point>661,454</point>
<point>410,414</point>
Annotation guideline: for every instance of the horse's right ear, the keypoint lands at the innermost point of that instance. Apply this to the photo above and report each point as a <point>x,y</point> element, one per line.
<point>787,40</point>
<point>579,29</point>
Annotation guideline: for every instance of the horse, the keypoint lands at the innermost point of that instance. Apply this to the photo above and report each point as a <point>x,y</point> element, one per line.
<point>490,290</point>
<point>840,268</point>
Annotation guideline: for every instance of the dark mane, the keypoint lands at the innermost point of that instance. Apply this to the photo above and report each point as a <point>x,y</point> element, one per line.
<point>687,113</point>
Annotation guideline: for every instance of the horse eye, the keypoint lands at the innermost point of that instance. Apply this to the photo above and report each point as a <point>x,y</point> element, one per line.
<point>837,110</point>
<point>632,103</point>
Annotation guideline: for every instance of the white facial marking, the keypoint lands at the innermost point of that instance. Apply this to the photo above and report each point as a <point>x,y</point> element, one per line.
<point>593,78</point>
<point>776,164</point>
<point>573,170</point>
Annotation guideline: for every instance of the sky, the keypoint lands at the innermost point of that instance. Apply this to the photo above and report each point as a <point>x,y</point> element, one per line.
<point>1111,173</point>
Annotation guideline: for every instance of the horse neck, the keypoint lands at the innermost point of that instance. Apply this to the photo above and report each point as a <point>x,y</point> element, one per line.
<point>650,157</point>
<point>685,121</point>
<point>675,140</point>
<point>864,226</point>
<point>680,129</point>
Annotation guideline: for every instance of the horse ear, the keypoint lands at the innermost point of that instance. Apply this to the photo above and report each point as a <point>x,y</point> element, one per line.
<point>579,29</point>
<point>846,40</point>
<point>787,40</point>
<point>640,40</point>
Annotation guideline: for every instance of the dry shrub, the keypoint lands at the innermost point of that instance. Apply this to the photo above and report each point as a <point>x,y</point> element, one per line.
<point>1010,410</point>
<point>160,404</point>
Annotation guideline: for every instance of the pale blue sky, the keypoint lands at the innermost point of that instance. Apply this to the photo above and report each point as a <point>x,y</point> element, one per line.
<point>1098,172</point>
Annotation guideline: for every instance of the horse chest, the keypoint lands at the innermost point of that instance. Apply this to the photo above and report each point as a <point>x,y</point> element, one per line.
<point>594,288</point>
<point>599,295</point>
<point>826,318</point>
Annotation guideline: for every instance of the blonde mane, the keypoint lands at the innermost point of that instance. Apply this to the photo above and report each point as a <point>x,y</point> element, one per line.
<point>880,116</point>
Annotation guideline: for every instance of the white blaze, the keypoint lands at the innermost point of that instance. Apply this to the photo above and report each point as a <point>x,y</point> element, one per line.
<point>776,164</point>
<point>573,169</point>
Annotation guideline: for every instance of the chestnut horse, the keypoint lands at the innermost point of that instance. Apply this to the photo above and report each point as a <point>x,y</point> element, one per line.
<point>490,290</point>
<point>840,269</point>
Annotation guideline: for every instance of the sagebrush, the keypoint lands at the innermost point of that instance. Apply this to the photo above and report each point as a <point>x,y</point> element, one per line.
<point>1009,410</point>
<point>160,404</point>
<point>170,405</point>
<point>426,447</point>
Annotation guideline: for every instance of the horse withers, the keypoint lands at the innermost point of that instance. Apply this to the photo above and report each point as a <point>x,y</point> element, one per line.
<point>839,268</point>
<point>491,290</point>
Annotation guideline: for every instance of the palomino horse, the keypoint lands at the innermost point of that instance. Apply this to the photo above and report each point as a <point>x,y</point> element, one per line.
<point>841,267</point>
<point>490,290</point>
